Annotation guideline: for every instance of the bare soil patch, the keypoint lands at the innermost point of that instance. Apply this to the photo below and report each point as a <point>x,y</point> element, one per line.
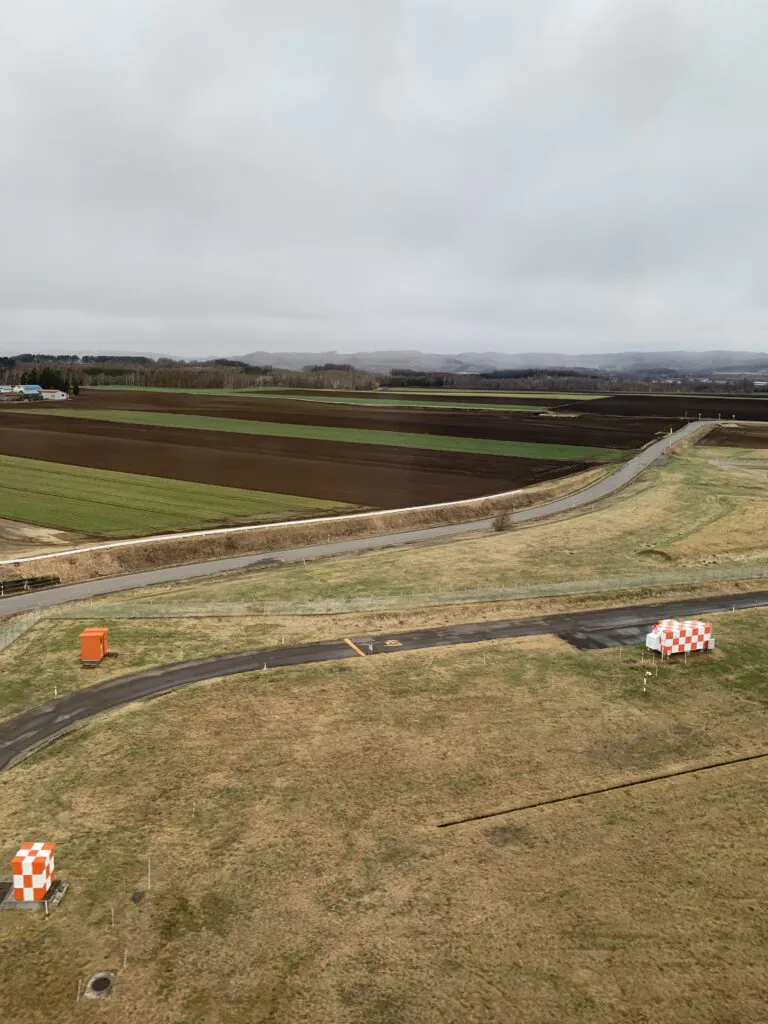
<point>679,406</point>
<point>24,539</point>
<point>751,436</point>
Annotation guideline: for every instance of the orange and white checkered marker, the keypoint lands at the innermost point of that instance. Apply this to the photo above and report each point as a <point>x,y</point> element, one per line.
<point>672,637</point>
<point>33,871</point>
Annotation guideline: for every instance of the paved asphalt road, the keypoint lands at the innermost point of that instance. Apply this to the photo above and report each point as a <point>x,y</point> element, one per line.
<point>602,628</point>
<point>113,584</point>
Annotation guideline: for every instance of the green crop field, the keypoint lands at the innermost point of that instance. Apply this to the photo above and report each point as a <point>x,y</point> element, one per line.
<point>328,396</point>
<point>391,438</point>
<point>566,396</point>
<point>110,504</point>
<point>395,402</point>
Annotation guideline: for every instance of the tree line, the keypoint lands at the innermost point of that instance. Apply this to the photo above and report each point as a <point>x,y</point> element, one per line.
<point>70,372</point>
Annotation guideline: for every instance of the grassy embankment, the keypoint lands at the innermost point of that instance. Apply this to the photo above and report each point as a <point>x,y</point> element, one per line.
<point>298,873</point>
<point>391,438</point>
<point>109,504</point>
<point>706,509</point>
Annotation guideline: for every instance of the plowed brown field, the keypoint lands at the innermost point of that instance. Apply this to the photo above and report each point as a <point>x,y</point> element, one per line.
<point>596,431</point>
<point>680,406</point>
<point>371,475</point>
<point>739,437</point>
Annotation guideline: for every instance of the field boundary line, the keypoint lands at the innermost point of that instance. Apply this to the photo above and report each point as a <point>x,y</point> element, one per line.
<point>615,787</point>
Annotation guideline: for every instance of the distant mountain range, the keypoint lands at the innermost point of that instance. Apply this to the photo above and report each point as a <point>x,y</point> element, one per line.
<point>686,362</point>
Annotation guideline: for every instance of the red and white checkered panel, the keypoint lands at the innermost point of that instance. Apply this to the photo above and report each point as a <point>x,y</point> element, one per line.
<point>33,871</point>
<point>683,637</point>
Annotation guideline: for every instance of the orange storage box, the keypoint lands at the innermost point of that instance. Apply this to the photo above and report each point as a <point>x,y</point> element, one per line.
<point>93,645</point>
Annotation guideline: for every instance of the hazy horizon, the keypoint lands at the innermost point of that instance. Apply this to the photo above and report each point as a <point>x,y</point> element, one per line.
<point>342,354</point>
<point>223,178</point>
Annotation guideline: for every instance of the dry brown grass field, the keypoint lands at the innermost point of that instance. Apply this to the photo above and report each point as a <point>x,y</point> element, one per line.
<point>298,873</point>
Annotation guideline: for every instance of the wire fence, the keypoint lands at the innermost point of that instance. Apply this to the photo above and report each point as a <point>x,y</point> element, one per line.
<point>18,626</point>
<point>399,601</point>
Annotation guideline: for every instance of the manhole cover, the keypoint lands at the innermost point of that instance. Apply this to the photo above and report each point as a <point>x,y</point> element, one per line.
<point>138,896</point>
<point>100,985</point>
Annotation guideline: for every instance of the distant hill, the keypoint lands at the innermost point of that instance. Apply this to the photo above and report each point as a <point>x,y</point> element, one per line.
<point>664,362</point>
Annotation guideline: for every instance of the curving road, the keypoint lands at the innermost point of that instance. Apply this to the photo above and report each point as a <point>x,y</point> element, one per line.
<point>114,584</point>
<point>608,627</point>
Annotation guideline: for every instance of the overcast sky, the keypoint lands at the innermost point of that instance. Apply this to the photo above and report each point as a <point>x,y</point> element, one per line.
<point>221,176</point>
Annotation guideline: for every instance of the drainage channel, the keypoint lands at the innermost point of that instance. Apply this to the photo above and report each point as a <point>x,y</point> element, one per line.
<point>603,789</point>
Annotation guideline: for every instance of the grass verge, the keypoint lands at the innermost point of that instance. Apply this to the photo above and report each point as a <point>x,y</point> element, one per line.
<point>134,558</point>
<point>704,510</point>
<point>158,629</point>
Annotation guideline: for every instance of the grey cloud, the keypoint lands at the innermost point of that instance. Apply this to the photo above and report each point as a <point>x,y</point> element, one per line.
<point>210,177</point>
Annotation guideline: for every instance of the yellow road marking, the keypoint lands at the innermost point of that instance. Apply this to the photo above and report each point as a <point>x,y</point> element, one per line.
<point>354,647</point>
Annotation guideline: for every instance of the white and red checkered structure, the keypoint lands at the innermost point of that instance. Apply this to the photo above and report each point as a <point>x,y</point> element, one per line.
<point>33,871</point>
<point>672,637</point>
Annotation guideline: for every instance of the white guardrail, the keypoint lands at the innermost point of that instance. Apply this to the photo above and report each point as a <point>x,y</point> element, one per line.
<point>220,531</point>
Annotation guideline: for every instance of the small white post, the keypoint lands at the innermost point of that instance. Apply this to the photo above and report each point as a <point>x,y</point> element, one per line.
<point>77,997</point>
<point>125,958</point>
<point>113,917</point>
<point>265,667</point>
<point>55,691</point>
<point>46,907</point>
